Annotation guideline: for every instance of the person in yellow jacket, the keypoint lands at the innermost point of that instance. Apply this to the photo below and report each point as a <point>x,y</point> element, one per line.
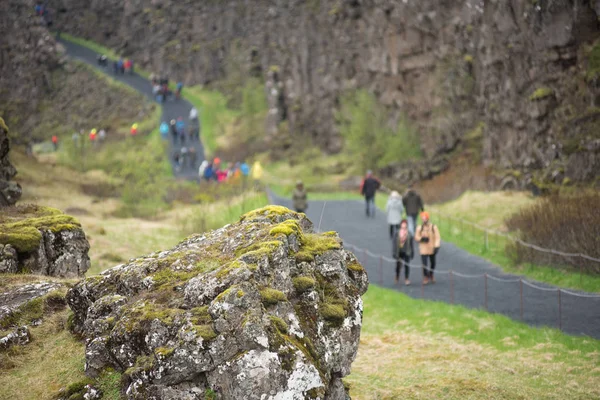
<point>428,237</point>
<point>257,173</point>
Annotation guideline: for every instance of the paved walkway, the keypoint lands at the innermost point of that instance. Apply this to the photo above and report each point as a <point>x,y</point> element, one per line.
<point>172,109</point>
<point>578,315</point>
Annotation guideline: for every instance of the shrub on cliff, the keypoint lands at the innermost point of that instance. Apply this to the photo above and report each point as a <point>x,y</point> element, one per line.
<point>568,224</point>
<point>364,125</point>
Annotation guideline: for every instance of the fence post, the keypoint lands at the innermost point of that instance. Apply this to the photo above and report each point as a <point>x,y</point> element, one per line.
<point>381,270</point>
<point>451,288</point>
<point>422,288</point>
<point>521,290</point>
<point>559,311</point>
<point>486,291</point>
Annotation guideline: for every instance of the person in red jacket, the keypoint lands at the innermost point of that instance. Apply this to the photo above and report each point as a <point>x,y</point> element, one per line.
<point>55,142</point>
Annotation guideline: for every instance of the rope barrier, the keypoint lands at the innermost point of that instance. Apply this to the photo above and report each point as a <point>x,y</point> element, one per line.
<point>589,296</point>
<point>492,277</point>
<point>466,276</point>
<point>539,287</point>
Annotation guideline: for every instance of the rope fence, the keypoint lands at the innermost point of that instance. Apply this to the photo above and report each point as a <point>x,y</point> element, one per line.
<point>368,258</point>
<point>490,238</point>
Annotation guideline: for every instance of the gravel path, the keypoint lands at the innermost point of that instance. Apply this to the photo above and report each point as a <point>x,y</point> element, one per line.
<point>172,109</point>
<point>578,315</point>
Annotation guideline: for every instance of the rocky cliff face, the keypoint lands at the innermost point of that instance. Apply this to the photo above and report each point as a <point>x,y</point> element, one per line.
<point>42,241</point>
<point>10,192</point>
<point>519,76</point>
<point>28,55</point>
<point>261,309</point>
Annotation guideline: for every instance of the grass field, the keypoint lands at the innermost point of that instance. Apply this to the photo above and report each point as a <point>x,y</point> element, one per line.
<point>417,349</point>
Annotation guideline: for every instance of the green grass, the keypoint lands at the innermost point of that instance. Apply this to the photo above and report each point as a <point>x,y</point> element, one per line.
<point>214,114</point>
<point>419,349</point>
<point>383,308</point>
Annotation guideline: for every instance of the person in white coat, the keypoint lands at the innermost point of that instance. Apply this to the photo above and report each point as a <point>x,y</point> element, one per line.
<point>394,210</point>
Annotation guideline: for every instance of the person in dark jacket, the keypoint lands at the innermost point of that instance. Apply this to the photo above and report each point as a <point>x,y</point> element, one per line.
<point>413,204</point>
<point>403,250</point>
<point>368,189</point>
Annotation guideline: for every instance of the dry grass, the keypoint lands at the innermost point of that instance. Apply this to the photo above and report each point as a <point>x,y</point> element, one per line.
<point>52,360</point>
<point>565,223</point>
<point>488,209</point>
<point>422,365</point>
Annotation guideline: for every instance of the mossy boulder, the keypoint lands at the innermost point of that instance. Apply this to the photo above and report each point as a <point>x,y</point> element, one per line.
<point>204,314</point>
<point>43,241</point>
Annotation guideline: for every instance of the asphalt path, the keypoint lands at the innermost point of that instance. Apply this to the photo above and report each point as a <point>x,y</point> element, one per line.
<point>576,315</point>
<point>171,109</point>
<point>369,239</point>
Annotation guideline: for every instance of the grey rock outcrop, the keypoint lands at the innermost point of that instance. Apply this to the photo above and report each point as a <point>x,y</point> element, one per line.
<point>260,309</point>
<point>28,55</point>
<point>10,192</point>
<point>42,241</point>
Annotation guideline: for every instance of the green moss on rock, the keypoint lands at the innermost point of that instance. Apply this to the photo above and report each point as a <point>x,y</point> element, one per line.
<point>287,228</point>
<point>271,212</point>
<point>207,332</point>
<point>356,267</point>
<point>541,93</point>
<point>21,226</point>
<point>279,324</point>
<point>332,312</point>
<point>303,283</point>
<point>271,296</point>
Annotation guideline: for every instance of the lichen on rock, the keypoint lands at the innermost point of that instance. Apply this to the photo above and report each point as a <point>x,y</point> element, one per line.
<point>43,241</point>
<point>233,312</point>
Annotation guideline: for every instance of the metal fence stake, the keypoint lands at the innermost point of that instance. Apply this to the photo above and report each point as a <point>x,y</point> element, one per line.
<point>559,311</point>
<point>521,290</point>
<point>451,287</point>
<point>486,291</point>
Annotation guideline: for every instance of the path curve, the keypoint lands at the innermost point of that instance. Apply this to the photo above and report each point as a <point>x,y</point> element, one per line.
<point>579,316</point>
<point>172,109</point>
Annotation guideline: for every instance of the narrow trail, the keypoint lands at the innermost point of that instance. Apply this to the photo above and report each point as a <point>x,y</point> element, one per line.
<point>576,315</point>
<point>171,109</point>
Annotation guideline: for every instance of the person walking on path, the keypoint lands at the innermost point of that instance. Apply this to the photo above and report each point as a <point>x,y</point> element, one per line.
<point>193,157</point>
<point>299,198</point>
<point>428,237</point>
<point>403,251</point>
<point>174,132</point>
<point>394,209</point>
<point>55,142</point>
<point>413,204</point>
<point>257,173</point>
<point>164,130</point>
<point>368,189</point>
